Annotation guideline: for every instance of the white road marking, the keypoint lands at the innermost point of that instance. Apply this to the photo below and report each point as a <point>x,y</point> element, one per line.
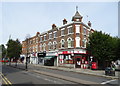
<point>108,81</point>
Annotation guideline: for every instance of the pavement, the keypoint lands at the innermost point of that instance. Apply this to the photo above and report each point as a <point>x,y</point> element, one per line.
<point>100,73</point>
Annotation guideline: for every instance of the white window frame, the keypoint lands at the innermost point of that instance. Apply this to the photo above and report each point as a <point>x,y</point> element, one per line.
<point>44,46</point>
<point>49,45</point>
<point>54,44</point>
<point>70,41</point>
<point>77,41</point>
<point>45,37</point>
<point>61,43</point>
<point>41,38</point>
<point>55,34</point>
<point>77,28</point>
<point>50,35</point>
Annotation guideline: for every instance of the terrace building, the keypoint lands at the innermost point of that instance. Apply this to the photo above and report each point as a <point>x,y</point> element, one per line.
<point>64,46</point>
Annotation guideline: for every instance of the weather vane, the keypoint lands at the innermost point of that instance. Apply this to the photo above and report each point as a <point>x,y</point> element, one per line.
<point>76,8</point>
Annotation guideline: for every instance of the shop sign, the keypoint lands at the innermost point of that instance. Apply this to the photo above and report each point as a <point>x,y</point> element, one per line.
<point>41,54</point>
<point>51,54</point>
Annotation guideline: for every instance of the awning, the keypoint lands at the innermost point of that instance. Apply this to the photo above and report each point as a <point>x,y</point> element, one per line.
<point>49,57</point>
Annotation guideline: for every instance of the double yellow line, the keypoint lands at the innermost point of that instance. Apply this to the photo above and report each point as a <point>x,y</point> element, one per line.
<point>7,82</point>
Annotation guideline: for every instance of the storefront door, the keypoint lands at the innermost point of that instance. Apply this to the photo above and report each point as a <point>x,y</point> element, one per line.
<point>77,61</point>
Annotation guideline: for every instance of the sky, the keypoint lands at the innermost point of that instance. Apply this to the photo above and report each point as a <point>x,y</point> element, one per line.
<point>17,19</point>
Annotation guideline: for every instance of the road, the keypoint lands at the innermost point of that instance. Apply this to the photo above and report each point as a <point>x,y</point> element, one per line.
<point>18,76</point>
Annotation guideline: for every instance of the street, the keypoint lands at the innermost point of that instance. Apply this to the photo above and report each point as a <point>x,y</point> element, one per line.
<point>37,75</point>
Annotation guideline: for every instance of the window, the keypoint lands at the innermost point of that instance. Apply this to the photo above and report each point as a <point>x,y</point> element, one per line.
<point>62,43</point>
<point>55,34</point>
<point>84,31</point>
<point>49,45</point>
<point>54,45</point>
<point>40,47</point>
<point>50,35</point>
<point>41,39</point>
<point>77,41</point>
<point>44,45</point>
<point>84,43</point>
<point>77,28</point>
<point>62,32</point>
<point>70,30</point>
<point>69,40</point>
<point>45,38</point>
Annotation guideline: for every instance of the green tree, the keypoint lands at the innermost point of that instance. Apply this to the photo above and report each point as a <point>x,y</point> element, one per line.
<point>102,47</point>
<point>2,51</point>
<point>14,48</point>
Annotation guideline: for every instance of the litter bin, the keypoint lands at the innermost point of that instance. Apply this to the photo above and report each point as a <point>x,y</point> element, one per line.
<point>109,71</point>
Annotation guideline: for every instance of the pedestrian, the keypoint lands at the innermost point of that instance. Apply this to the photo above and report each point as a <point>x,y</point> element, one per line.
<point>113,65</point>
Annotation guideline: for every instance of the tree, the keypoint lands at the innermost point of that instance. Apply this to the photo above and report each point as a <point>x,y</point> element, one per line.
<point>102,47</point>
<point>14,49</point>
<point>3,51</point>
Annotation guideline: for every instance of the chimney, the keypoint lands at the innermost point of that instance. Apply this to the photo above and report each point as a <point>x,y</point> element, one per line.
<point>53,26</point>
<point>64,21</point>
<point>89,23</point>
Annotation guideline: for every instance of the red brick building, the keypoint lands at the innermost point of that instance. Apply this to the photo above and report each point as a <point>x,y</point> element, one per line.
<point>66,44</point>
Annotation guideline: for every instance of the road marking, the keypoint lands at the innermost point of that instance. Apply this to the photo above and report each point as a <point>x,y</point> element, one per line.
<point>108,81</point>
<point>5,79</point>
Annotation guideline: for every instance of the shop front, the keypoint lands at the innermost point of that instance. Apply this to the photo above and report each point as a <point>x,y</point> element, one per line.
<point>41,56</point>
<point>73,58</point>
<point>33,58</point>
<point>50,59</point>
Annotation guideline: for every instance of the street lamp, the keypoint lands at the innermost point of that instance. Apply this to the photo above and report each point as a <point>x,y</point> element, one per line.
<point>73,57</point>
<point>91,58</point>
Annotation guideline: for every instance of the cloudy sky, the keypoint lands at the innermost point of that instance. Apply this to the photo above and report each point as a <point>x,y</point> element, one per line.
<point>21,18</point>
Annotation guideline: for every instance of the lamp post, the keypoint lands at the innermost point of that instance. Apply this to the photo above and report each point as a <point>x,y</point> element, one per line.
<point>91,58</point>
<point>74,58</point>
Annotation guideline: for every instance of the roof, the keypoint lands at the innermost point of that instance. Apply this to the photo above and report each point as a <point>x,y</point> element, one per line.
<point>77,15</point>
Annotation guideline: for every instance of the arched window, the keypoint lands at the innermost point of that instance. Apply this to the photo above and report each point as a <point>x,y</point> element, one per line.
<point>44,46</point>
<point>54,45</point>
<point>69,40</point>
<point>62,43</point>
<point>49,45</point>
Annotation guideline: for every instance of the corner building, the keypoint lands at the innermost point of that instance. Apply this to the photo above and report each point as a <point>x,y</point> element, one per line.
<point>66,45</point>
